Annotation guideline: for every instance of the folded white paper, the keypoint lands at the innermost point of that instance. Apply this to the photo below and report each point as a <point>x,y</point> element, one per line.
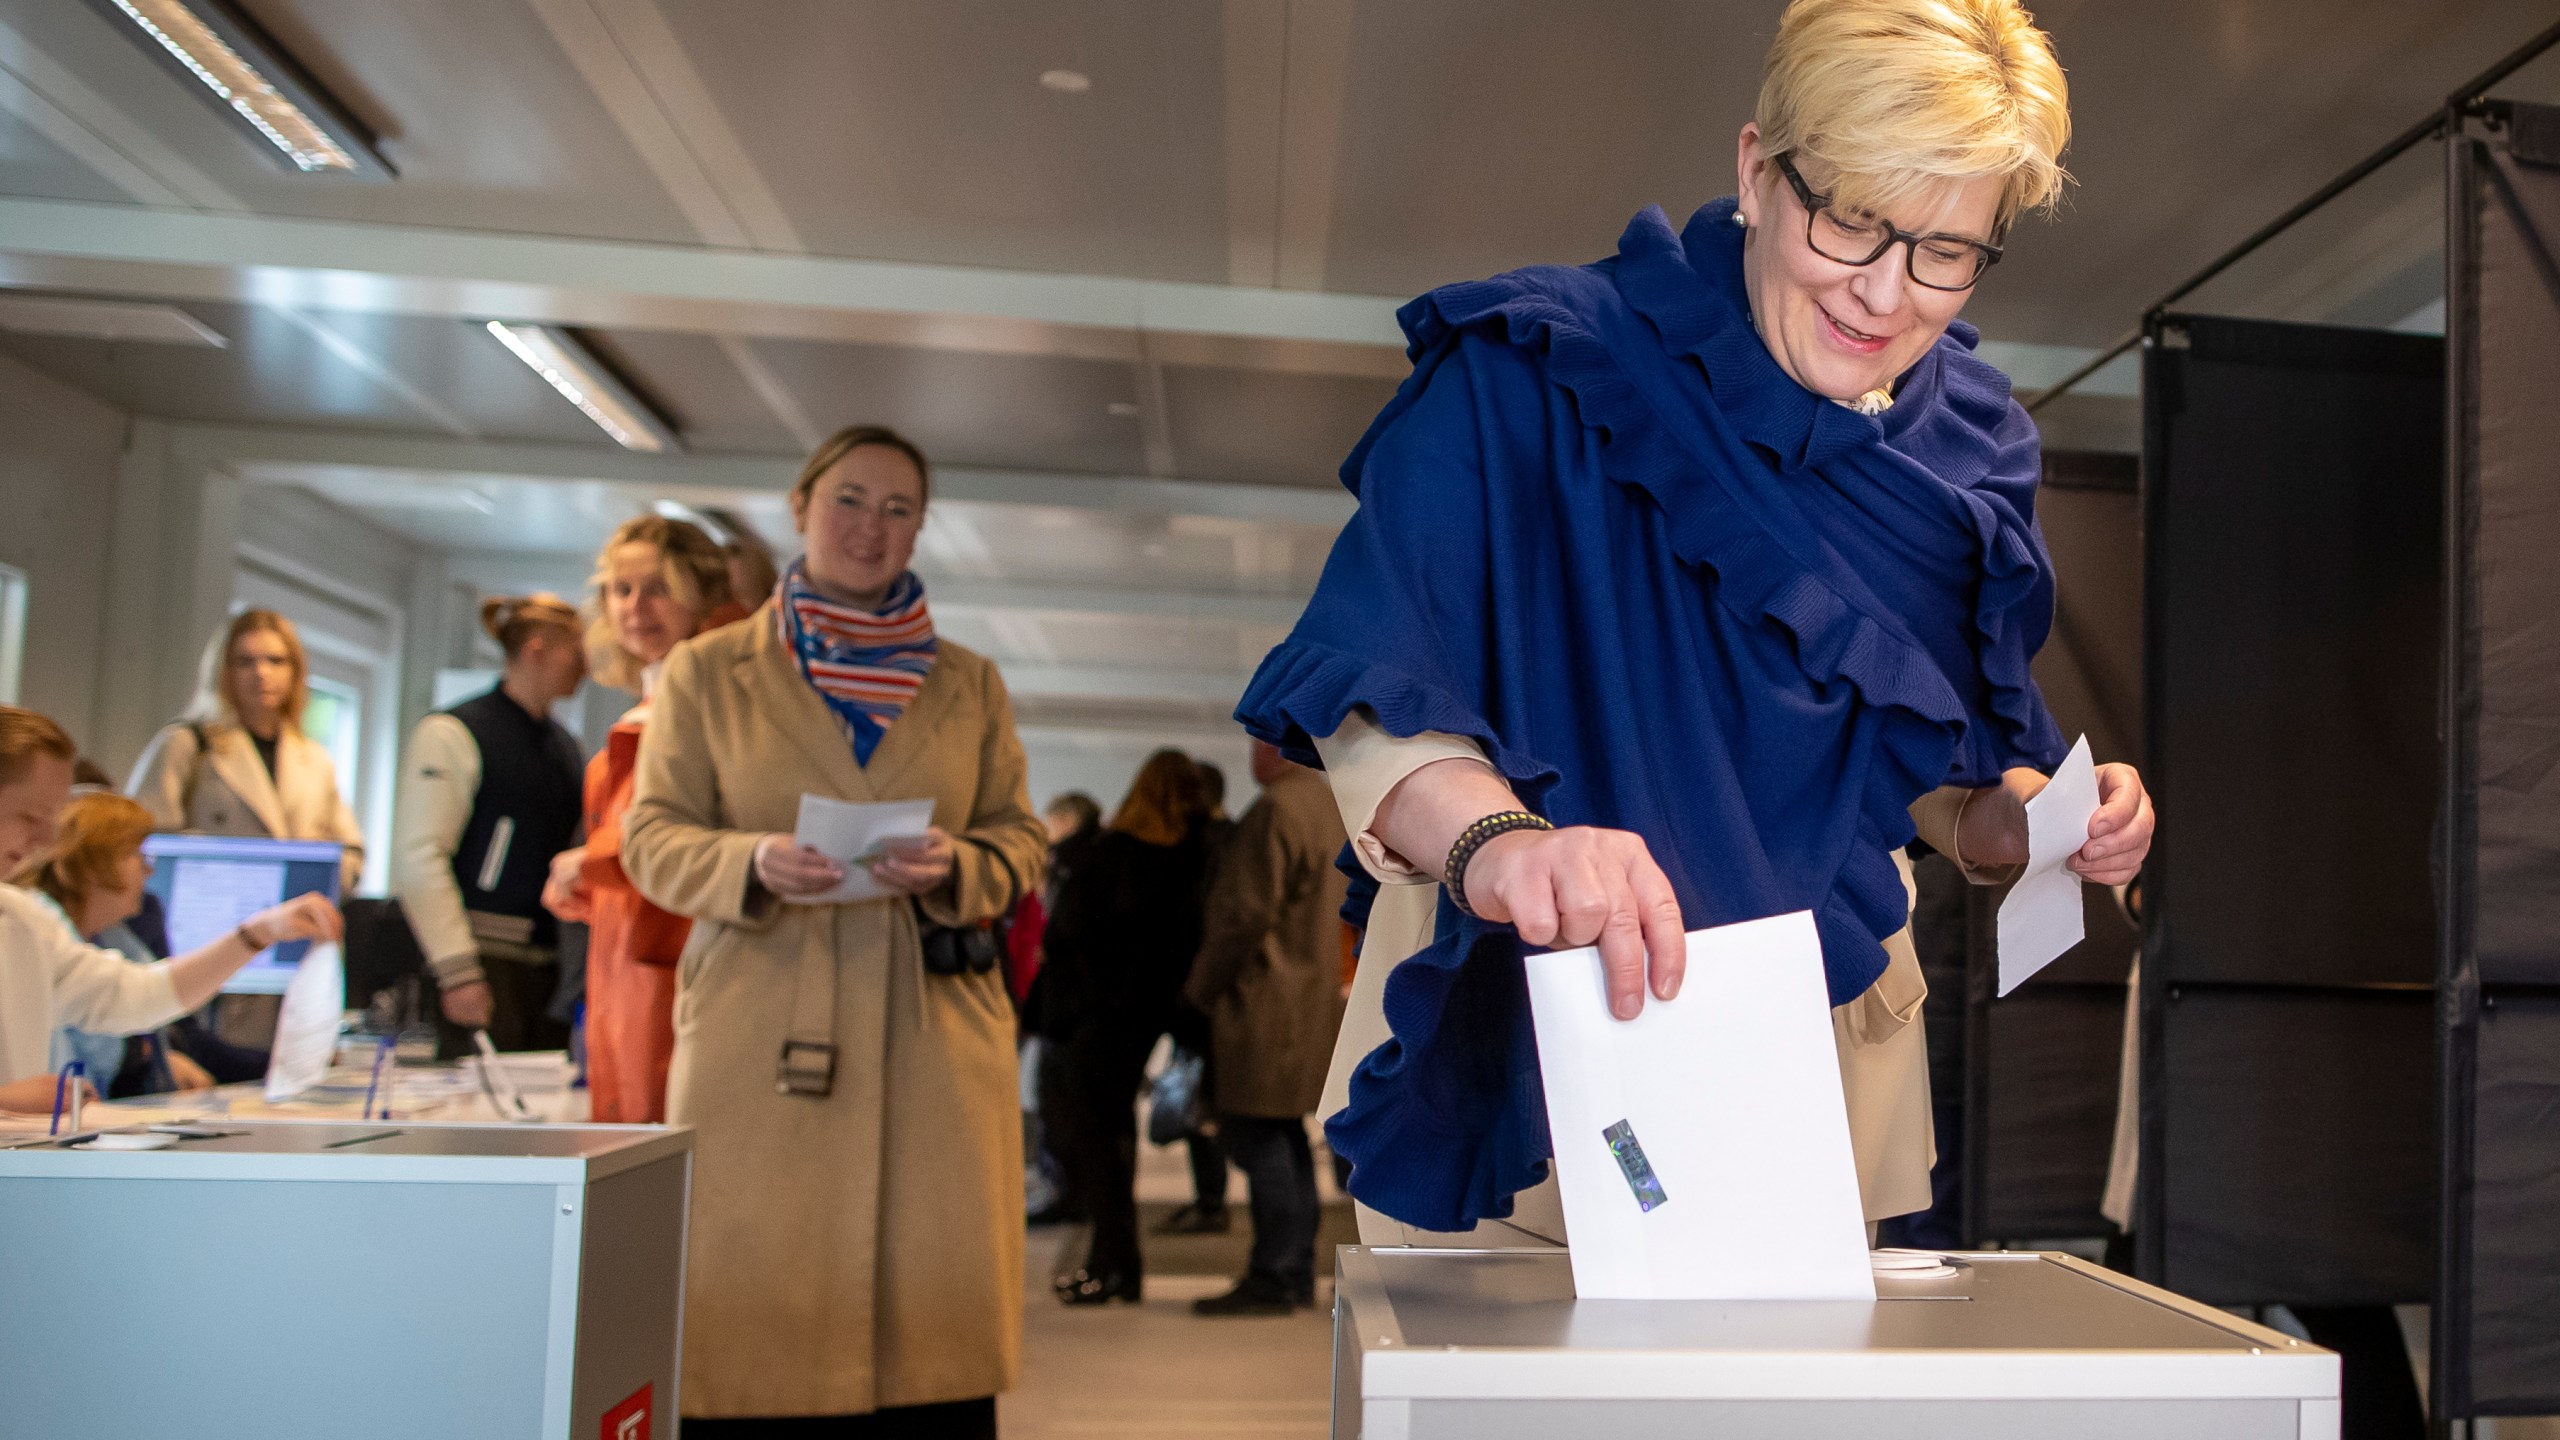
<point>853,836</point>
<point>315,1000</point>
<point>2041,917</point>
<point>1702,1148</point>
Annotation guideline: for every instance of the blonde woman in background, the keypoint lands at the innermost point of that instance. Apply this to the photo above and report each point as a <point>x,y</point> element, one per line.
<point>488,795</point>
<point>658,583</point>
<point>238,763</point>
<point>856,1250</point>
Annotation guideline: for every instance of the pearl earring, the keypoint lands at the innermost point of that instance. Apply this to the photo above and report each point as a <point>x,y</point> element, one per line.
<point>1740,221</point>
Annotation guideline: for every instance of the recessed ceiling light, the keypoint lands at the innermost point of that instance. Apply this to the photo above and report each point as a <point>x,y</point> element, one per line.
<point>1066,82</point>
<point>583,381</point>
<point>1125,409</point>
<point>254,81</point>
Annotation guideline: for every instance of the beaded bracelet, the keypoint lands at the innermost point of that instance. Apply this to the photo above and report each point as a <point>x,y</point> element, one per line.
<point>1472,839</point>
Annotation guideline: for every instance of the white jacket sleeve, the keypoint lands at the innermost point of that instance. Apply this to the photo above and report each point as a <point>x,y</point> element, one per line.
<point>50,977</point>
<point>439,781</point>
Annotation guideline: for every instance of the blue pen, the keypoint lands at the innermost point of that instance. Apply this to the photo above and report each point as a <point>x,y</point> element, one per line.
<point>381,1056</point>
<point>63,1087</point>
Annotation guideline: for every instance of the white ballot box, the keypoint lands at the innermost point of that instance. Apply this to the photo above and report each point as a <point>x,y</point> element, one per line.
<point>292,1280</point>
<point>1491,1345</point>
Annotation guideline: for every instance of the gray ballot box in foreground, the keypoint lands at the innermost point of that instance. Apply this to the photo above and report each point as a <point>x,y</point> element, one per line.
<point>1491,1345</point>
<point>297,1280</point>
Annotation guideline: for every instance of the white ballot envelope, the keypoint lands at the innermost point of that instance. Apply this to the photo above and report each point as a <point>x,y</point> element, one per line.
<point>1702,1148</point>
<point>853,836</point>
<point>2041,918</point>
<point>315,1000</point>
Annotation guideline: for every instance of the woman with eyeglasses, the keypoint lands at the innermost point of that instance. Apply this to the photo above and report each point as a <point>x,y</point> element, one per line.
<point>1685,588</point>
<point>846,1060</point>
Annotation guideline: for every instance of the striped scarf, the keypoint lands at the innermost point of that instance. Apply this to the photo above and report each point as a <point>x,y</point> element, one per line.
<point>866,664</point>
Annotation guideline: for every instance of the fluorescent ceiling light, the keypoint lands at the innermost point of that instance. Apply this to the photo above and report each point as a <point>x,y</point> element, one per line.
<point>583,381</point>
<point>255,82</point>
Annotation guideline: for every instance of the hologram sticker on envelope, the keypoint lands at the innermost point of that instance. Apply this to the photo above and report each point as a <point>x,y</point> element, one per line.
<point>1640,1177</point>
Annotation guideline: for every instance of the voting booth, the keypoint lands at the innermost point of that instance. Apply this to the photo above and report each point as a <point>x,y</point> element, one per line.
<point>1492,1345</point>
<point>300,1280</point>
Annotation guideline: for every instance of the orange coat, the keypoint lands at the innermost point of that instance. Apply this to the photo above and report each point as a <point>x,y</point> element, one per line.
<point>632,949</point>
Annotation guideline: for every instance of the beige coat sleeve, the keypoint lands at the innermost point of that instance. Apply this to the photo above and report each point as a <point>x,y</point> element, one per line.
<point>1001,825</point>
<point>675,846</point>
<point>159,779</point>
<point>439,779</point>
<point>1363,762</point>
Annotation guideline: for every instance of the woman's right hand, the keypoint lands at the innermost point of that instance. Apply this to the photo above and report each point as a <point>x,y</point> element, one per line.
<point>304,917</point>
<point>787,868</point>
<point>1586,886</point>
<point>564,892</point>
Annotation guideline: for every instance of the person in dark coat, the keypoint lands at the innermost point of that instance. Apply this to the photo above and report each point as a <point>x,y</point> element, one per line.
<point>1120,942</point>
<point>1269,977</point>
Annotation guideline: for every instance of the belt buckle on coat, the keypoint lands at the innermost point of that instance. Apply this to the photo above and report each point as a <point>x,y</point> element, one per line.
<point>816,1077</point>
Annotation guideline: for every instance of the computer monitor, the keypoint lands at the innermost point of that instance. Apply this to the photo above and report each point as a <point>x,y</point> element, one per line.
<point>208,884</point>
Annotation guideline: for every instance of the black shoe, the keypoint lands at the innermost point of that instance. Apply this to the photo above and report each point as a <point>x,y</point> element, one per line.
<point>1084,1287</point>
<point>1194,1220</point>
<point>1252,1295</point>
<point>1058,1214</point>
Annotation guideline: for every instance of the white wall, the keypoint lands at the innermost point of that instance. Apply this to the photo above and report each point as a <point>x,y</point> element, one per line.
<point>59,451</point>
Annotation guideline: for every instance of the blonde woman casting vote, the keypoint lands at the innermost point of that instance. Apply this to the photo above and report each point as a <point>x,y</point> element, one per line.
<point>49,976</point>
<point>857,1222</point>
<point>239,764</point>
<point>1684,588</point>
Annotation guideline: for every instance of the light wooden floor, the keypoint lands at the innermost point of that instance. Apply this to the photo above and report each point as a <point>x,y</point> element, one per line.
<point>1155,1369</point>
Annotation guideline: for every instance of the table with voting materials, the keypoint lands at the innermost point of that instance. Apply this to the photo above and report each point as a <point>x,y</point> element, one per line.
<point>1492,1345</point>
<point>299,1279</point>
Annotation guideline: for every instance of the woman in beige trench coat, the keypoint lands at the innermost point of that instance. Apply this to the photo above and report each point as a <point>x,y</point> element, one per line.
<point>857,1217</point>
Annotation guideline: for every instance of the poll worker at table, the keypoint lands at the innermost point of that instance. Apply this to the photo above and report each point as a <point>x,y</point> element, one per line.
<point>93,877</point>
<point>49,976</point>
<point>857,1242</point>
<point>238,762</point>
<point>489,793</point>
<point>658,583</point>
<point>1683,587</point>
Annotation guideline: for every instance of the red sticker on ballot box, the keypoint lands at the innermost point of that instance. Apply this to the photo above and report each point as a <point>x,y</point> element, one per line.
<point>630,1419</point>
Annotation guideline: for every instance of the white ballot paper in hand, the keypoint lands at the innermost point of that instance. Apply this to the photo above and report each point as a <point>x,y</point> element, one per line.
<point>315,1000</point>
<point>2041,917</point>
<point>1702,1148</point>
<point>854,836</point>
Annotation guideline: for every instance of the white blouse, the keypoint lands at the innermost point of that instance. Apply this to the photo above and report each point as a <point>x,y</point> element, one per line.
<point>50,977</point>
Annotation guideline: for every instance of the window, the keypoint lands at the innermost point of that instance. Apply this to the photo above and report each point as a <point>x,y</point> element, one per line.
<point>335,718</point>
<point>13,631</point>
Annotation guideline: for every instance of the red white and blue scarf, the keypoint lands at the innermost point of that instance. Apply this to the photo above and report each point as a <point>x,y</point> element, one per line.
<point>866,664</point>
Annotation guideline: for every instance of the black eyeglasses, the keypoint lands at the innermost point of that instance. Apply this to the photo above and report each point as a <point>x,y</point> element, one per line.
<point>1939,262</point>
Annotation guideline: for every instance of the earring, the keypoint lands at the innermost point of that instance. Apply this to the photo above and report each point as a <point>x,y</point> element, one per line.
<point>1740,221</point>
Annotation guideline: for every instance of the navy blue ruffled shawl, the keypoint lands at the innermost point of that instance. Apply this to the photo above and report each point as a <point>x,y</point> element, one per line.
<point>1669,590</point>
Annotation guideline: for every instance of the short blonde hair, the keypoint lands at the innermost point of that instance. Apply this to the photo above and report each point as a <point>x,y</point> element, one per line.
<point>1892,96</point>
<point>697,574</point>
<point>214,700</point>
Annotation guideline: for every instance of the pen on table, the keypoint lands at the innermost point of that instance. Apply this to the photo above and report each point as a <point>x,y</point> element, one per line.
<point>66,1088</point>
<point>364,1139</point>
<point>381,1056</point>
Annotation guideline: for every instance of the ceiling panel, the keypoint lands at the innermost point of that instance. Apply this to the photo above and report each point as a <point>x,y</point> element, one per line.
<point>1268,429</point>
<point>1482,135</point>
<point>699,387</point>
<point>481,113</point>
<point>31,164</point>
<point>1122,550</point>
<point>1002,411</point>
<point>920,132</point>
<point>276,372</point>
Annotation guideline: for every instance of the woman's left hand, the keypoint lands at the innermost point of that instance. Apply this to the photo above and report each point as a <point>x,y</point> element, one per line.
<point>915,866</point>
<point>2120,833</point>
